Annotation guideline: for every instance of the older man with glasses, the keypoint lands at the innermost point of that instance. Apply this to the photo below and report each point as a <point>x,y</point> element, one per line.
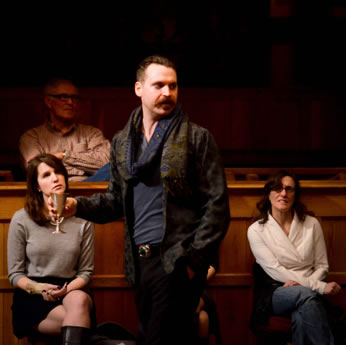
<point>83,149</point>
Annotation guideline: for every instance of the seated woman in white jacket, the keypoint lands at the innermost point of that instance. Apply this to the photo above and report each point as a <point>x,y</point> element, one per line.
<point>288,245</point>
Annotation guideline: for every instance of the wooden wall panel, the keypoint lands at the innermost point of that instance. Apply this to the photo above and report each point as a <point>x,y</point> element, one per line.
<point>234,306</point>
<point>17,115</point>
<point>234,250</point>
<point>232,285</point>
<point>242,120</point>
<point>335,233</point>
<point>3,249</point>
<point>109,249</point>
<point>118,307</point>
<point>275,121</point>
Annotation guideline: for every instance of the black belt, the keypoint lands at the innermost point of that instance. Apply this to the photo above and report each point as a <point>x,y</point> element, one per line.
<point>148,250</point>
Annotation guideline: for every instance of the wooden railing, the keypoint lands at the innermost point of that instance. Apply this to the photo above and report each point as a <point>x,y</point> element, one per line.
<point>303,173</point>
<point>6,175</point>
<point>232,285</point>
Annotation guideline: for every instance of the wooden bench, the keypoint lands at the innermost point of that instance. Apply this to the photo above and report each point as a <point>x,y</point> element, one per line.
<point>231,287</point>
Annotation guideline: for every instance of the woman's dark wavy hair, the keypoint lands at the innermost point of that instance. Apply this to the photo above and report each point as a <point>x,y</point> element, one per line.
<point>34,198</point>
<point>274,181</point>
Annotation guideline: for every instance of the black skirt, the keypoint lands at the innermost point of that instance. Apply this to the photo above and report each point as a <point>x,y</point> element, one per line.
<point>29,310</point>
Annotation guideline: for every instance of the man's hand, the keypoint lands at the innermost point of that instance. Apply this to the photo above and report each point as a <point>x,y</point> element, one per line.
<point>69,210</point>
<point>332,288</point>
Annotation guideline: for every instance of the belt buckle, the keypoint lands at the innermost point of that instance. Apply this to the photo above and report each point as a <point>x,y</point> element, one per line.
<point>144,251</point>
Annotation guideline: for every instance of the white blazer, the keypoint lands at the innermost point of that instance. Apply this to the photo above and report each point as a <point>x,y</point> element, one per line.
<point>301,256</point>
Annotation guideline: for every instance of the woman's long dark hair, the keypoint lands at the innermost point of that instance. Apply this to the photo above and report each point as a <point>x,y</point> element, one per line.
<point>34,198</point>
<point>264,205</point>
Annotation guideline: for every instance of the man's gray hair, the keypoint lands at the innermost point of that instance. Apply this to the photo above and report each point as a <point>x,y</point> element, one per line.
<point>50,87</point>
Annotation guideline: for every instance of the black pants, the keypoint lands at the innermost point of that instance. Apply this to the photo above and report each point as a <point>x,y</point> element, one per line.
<point>166,303</point>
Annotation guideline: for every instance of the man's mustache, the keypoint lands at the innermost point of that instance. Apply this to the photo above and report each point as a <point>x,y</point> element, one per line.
<point>166,101</point>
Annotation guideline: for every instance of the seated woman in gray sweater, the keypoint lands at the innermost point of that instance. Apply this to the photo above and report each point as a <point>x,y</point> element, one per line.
<point>50,271</point>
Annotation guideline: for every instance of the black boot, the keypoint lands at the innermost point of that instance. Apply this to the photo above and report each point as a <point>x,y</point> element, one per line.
<point>73,335</point>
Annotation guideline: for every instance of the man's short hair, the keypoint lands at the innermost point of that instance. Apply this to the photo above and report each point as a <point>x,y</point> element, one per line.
<point>52,84</point>
<point>153,59</point>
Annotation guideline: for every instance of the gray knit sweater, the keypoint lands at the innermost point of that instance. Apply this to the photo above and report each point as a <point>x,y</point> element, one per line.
<point>33,250</point>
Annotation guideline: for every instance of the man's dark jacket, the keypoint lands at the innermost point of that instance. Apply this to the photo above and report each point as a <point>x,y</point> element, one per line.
<point>195,199</point>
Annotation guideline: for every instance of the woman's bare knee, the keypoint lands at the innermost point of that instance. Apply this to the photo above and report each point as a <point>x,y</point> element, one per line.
<point>77,300</point>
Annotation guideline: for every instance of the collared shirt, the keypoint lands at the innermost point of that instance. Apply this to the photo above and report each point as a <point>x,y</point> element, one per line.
<point>87,150</point>
<point>195,206</point>
<point>147,203</point>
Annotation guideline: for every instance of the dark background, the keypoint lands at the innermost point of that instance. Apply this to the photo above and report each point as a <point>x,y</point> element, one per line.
<point>273,71</point>
<point>215,43</point>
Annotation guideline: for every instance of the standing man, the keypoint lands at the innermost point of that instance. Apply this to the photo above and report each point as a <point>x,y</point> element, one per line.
<point>168,182</point>
<point>83,149</point>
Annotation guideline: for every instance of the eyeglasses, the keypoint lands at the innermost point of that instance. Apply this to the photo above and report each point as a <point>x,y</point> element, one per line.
<point>279,189</point>
<point>65,97</point>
